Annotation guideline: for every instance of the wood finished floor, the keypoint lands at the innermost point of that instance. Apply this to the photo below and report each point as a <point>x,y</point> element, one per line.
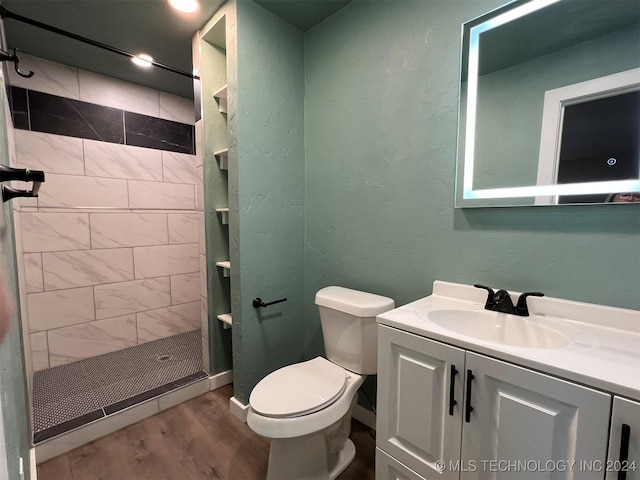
<point>198,439</point>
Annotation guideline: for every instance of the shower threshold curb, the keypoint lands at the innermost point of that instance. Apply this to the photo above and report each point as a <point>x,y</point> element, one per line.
<point>104,412</point>
<point>127,415</point>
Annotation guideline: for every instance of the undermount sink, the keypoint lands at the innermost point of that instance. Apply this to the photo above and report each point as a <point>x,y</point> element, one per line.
<point>497,327</point>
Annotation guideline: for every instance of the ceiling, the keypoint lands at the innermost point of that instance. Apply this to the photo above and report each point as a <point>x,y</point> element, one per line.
<point>303,14</point>
<point>553,28</point>
<point>136,26</point>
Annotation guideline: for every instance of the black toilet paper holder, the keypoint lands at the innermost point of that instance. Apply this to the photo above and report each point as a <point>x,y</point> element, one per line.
<point>258,303</point>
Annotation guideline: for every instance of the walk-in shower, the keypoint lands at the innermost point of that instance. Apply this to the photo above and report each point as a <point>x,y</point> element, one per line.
<point>108,253</point>
<point>69,396</point>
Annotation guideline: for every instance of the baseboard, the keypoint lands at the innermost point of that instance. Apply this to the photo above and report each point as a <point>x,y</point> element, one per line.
<point>33,468</point>
<point>365,416</point>
<point>238,409</point>
<point>220,379</point>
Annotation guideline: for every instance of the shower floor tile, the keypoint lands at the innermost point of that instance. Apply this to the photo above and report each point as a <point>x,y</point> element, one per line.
<point>66,408</point>
<point>55,384</point>
<point>71,395</point>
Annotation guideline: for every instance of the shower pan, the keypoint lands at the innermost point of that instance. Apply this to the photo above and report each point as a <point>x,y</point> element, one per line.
<point>72,395</point>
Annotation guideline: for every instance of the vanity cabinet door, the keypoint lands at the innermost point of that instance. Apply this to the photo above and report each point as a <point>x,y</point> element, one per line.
<point>388,468</point>
<point>624,441</point>
<point>416,425</point>
<point>527,425</point>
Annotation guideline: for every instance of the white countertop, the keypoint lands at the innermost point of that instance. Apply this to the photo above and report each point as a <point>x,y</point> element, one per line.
<point>604,347</point>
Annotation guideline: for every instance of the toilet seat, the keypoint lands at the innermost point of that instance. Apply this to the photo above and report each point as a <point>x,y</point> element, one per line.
<point>299,389</point>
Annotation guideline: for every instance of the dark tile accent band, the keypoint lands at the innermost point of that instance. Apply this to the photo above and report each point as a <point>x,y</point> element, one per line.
<point>61,428</point>
<point>43,112</point>
<point>151,132</point>
<point>73,118</point>
<point>19,108</point>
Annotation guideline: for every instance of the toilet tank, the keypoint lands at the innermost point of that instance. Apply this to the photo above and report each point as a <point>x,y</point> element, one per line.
<point>349,329</point>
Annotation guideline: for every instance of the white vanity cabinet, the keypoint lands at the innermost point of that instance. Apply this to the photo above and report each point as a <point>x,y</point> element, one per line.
<point>624,446</point>
<point>525,424</point>
<point>448,413</point>
<point>414,424</point>
<point>389,468</point>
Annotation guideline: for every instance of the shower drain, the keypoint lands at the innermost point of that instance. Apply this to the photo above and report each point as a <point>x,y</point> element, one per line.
<point>164,358</point>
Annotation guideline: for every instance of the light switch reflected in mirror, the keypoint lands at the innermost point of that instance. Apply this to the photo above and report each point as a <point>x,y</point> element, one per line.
<point>550,104</point>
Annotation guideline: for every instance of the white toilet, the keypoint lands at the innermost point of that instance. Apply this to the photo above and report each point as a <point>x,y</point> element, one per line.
<point>305,408</point>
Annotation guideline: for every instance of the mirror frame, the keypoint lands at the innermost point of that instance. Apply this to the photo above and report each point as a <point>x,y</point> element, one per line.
<point>466,195</point>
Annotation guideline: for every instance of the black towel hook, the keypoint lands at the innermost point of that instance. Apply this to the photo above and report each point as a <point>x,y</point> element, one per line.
<point>4,57</point>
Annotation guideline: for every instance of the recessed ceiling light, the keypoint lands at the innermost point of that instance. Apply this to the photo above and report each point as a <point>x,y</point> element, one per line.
<point>143,60</point>
<point>187,6</point>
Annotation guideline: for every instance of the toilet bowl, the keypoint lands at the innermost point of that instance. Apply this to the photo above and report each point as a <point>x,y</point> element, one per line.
<point>311,441</point>
<point>305,408</point>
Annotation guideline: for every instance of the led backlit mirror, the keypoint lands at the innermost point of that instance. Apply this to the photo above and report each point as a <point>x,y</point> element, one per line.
<point>550,104</point>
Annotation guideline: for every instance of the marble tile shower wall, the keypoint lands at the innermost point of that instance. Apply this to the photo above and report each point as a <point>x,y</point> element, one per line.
<point>102,279</point>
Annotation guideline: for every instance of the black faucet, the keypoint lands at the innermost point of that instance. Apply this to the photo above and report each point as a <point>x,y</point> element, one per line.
<point>521,307</point>
<point>500,301</point>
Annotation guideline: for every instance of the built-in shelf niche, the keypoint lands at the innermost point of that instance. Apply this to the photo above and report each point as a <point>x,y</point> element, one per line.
<point>223,158</point>
<point>213,51</point>
<point>224,215</point>
<point>226,320</point>
<point>226,268</point>
<point>221,99</point>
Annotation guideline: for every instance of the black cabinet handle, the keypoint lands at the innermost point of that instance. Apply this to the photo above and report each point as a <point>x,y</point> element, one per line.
<point>625,436</point>
<point>468,408</point>
<point>452,389</point>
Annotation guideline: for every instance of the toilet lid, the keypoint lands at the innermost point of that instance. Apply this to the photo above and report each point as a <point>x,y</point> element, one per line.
<point>299,389</point>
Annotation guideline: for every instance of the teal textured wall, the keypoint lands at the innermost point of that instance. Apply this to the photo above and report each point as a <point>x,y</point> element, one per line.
<point>269,130</point>
<point>14,431</point>
<point>381,122</point>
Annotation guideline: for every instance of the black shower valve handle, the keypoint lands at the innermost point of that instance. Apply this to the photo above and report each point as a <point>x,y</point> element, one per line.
<point>8,174</point>
<point>8,193</point>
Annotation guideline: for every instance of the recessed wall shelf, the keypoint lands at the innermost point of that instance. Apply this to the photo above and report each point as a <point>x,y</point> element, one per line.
<point>226,268</point>
<point>221,99</point>
<point>226,319</point>
<point>224,215</point>
<point>223,158</point>
<point>215,105</point>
